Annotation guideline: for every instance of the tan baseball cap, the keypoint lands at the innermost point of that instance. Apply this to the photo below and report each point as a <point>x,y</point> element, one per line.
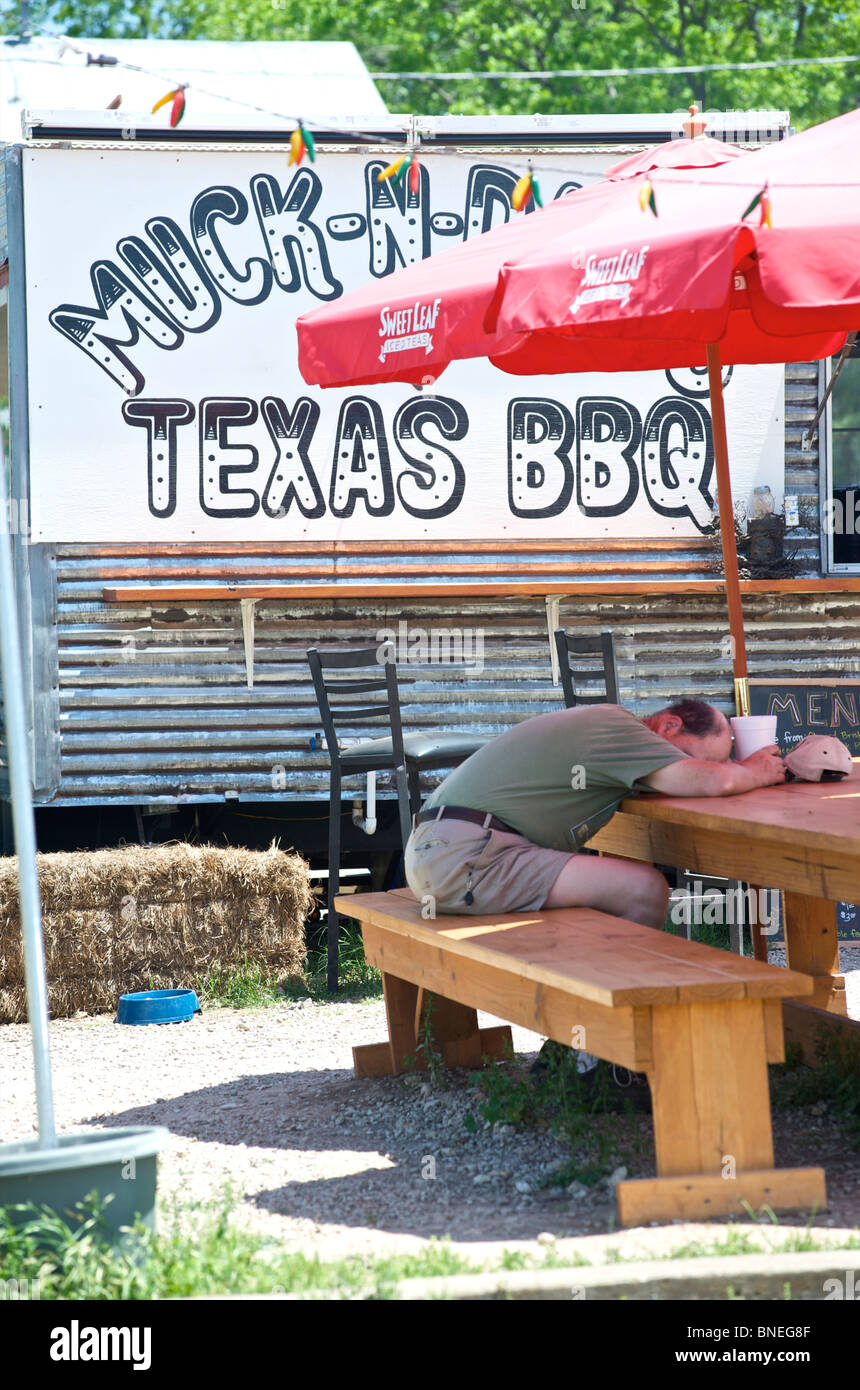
<point>818,758</point>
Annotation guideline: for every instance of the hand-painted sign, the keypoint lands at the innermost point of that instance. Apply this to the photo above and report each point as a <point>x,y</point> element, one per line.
<point>810,707</point>
<point>166,403</point>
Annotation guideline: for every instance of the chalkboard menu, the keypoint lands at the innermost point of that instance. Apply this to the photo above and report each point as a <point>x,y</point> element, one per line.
<point>820,707</point>
<point>801,708</point>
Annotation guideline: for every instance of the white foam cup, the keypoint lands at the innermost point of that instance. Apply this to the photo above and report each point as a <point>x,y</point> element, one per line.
<point>753,731</point>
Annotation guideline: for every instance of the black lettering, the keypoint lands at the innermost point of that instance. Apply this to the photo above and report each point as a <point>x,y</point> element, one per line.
<point>292,478</point>
<point>161,420</point>
<point>361,467</point>
<point>218,457</point>
<point>489,190</point>
<point>398,220</point>
<point>678,459</point>
<point>229,205</point>
<point>540,473</point>
<point>608,432</point>
<point>436,472</point>
<point>178,283</point>
<point>121,316</point>
<point>296,245</point>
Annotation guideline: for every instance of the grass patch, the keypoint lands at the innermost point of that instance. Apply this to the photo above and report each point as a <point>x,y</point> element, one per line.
<point>201,1252</point>
<point>714,934</point>
<point>245,985</point>
<point>558,1100</point>
<point>356,979</point>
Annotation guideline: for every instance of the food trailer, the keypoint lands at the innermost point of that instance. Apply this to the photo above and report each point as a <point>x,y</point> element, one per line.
<point>190,517</point>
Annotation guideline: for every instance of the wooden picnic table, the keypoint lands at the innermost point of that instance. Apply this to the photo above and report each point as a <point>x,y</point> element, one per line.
<point>802,838</point>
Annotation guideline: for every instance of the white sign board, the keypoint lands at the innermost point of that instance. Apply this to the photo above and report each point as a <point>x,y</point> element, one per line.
<point>166,403</point>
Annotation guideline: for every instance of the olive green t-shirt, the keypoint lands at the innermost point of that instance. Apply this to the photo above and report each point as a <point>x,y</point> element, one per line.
<point>557,778</point>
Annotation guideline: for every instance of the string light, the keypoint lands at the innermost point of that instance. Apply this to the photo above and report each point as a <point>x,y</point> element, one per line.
<point>646,196</point>
<point>177,110</point>
<point>526,189</point>
<point>301,144</point>
<point>381,138</point>
<point>394,171</point>
<point>762,202</point>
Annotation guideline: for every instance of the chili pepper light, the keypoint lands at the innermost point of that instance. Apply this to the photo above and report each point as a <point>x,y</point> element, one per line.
<point>646,196</point>
<point>394,171</point>
<point>177,110</point>
<point>301,144</point>
<point>762,202</point>
<point>525,189</point>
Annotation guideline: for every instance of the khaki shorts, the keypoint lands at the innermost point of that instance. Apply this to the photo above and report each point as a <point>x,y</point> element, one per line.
<point>446,859</point>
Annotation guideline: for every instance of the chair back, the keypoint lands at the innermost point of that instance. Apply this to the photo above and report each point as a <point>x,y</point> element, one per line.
<point>569,649</point>
<point>338,697</point>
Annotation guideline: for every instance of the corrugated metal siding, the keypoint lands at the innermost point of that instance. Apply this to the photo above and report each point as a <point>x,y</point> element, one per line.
<point>4,229</point>
<point>154,702</point>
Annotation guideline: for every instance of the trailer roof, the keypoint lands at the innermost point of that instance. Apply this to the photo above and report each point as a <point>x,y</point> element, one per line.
<point>227,80</point>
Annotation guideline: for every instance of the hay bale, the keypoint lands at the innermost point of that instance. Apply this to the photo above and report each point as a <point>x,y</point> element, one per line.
<point>152,917</point>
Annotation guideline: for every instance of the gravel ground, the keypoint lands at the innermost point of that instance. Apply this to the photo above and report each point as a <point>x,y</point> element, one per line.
<point>266,1100</point>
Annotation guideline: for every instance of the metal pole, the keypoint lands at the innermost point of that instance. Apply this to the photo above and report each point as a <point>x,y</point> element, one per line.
<point>806,437</point>
<point>727,532</point>
<point>24,824</point>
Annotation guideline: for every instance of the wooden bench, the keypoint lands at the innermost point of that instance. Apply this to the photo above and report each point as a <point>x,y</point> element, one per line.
<point>701,1023</point>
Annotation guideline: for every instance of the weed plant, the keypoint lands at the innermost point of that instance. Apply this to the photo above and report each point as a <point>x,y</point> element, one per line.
<point>244,985</point>
<point>560,1101</point>
<point>202,1251</point>
<point>356,979</point>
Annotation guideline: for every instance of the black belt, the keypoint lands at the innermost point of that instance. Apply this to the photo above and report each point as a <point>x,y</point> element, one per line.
<point>465,813</point>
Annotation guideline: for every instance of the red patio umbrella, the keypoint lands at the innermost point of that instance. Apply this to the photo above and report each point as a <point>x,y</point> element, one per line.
<point>754,261</point>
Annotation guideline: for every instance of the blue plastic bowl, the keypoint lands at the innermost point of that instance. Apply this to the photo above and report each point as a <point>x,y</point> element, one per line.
<point>158,1006</point>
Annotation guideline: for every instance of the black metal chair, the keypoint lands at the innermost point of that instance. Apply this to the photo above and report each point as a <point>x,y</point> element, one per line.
<point>601,646</point>
<point>407,755</point>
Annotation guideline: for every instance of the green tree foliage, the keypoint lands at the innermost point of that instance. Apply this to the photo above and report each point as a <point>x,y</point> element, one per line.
<point>501,35</point>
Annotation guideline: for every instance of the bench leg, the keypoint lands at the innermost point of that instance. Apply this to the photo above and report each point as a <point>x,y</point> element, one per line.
<point>453,1029</point>
<point>712,1127</point>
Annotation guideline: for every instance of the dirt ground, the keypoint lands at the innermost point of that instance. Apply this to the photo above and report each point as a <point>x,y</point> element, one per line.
<point>266,1101</point>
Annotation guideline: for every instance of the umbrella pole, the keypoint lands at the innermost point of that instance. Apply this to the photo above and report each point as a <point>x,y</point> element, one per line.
<point>17,746</point>
<point>727,531</point>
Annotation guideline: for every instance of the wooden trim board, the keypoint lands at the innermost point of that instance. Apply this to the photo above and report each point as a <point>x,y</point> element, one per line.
<point>305,593</point>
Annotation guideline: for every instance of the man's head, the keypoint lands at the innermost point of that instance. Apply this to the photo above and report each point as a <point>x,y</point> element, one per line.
<point>696,728</point>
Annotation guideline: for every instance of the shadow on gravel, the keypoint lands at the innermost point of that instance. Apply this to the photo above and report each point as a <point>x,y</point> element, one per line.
<point>284,1110</point>
<point>417,1167</point>
<point>414,1161</point>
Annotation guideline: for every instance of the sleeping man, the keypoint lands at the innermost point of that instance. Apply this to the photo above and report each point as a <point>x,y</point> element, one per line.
<point>503,833</point>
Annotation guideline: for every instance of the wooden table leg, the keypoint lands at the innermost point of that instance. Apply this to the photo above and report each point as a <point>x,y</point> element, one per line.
<point>712,1126</point>
<point>758,936</point>
<point>812,946</point>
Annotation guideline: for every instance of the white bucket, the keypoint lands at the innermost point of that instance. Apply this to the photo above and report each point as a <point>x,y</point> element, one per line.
<point>753,731</point>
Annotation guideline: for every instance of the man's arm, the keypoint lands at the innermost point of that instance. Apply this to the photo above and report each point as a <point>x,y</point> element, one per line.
<point>695,777</point>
